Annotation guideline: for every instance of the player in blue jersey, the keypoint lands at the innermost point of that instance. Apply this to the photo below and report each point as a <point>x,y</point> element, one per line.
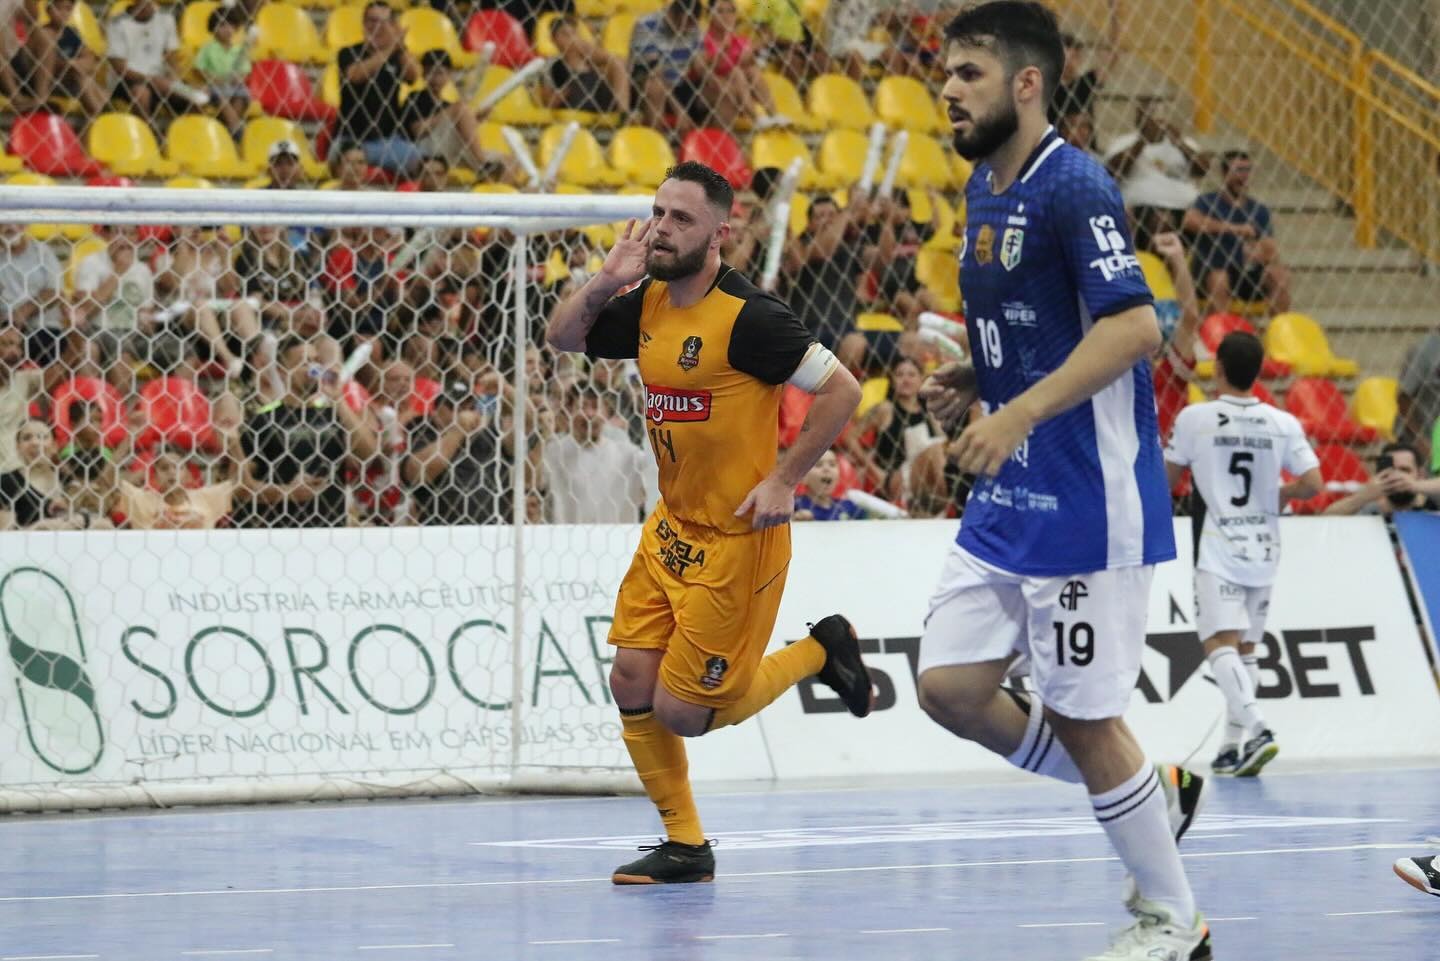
<point>1070,511</point>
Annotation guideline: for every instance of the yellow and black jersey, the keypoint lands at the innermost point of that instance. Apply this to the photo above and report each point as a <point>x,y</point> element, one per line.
<point>713,373</point>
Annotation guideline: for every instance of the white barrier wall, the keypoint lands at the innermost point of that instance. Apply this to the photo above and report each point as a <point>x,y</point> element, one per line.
<point>383,657</point>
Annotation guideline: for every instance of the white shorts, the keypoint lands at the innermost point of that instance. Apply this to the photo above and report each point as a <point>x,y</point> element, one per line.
<point>1084,634</point>
<point>1223,606</point>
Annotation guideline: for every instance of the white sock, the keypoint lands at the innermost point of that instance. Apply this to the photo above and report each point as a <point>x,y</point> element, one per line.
<point>1040,751</point>
<point>1137,820</point>
<point>1252,667</point>
<point>1234,730</point>
<point>1235,684</point>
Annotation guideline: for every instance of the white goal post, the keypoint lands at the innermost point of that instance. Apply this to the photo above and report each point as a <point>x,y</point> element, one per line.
<point>258,660</point>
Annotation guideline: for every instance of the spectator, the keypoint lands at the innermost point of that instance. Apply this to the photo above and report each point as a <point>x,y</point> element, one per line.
<point>296,448</point>
<point>826,263</point>
<point>734,87</point>
<point>1235,250</point>
<point>1419,399</point>
<point>585,76</point>
<point>902,429</point>
<point>434,174</point>
<point>114,287</point>
<point>749,239</point>
<point>459,465</point>
<point>818,502</point>
<point>144,52</point>
<point>31,494</point>
<point>30,284</point>
<point>847,26</point>
<point>1078,87</point>
<point>284,167</point>
<point>898,288</point>
<point>54,58</point>
<point>167,504</point>
<point>594,473</point>
<point>449,130</point>
<point>371,74</point>
<point>1157,168</point>
<point>17,388</point>
<point>937,486</point>
<point>780,26</point>
<point>1077,128</point>
<point>357,276</point>
<point>279,274</point>
<point>224,62</point>
<point>663,51</point>
<point>1399,484</point>
<point>87,463</point>
<point>348,164</point>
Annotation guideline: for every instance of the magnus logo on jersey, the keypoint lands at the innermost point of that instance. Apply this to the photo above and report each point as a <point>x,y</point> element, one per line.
<point>1010,247</point>
<point>668,405</point>
<point>690,353</point>
<point>1111,244</point>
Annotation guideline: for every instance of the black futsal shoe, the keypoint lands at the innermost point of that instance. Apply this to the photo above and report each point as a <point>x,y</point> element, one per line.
<point>669,862</point>
<point>844,671</point>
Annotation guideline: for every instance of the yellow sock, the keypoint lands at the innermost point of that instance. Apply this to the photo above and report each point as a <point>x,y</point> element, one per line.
<point>659,758</point>
<point>777,674</point>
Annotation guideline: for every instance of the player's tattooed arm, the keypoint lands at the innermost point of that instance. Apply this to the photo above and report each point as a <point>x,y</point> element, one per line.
<point>624,265</point>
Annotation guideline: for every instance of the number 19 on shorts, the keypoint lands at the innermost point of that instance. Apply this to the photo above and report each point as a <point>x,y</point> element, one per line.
<point>1075,641</point>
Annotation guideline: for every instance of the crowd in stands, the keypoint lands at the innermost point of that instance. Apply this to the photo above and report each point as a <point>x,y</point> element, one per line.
<point>185,377</point>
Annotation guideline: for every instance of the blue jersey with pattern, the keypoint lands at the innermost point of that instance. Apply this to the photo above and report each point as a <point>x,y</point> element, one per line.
<point>1039,263</point>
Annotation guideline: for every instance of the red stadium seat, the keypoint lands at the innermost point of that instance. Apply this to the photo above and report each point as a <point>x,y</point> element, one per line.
<point>512,46</point>
<point>48,146</point>
<point>1324,413</point>
<point>176,412</point>
<point>1338,465</point>
<point>283,89</point>
<point>1264,394</point>
<point>423,395</point>
<point>847,477</point>
<point>1214,328</point>
<point>794,405</point>
<point>95,390</point>
<point>715,148</point>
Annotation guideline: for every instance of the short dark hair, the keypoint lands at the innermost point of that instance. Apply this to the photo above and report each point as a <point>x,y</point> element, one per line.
<point>1228,158</point>
<point>431,59</point>
<point>288,343</point>
<point>717,189</point>
<point>1239,357</point>
<point>764,181</point>
<point>1395,447</point>
<point>583,391</point>
<point>1020,32</point>
<point>219,15</point>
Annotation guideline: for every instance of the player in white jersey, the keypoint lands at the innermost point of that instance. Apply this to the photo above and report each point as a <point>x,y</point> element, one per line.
<point>1236,447</point>
<point>1069,513</point>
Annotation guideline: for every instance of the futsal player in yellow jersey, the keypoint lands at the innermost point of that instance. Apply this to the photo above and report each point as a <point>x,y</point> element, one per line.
<point>698,604</point>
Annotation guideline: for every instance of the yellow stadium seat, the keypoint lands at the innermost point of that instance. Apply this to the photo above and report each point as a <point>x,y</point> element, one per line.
<point>799,213</point>
<point>492,137</point>
<point>545,44</point>
<point>1299,341</point>
<point>517,106</point>
<point>1157,276</point>
<point>842,154</point>
<point>642,154</point>
<point>185,182</point>
<point>261,132</point>
<point>330,85</point>
<point>584,164</point>
<point>788,102</point>
<point>960,170</point>
<point>10,164</point>
<point>939,271</point>
<point>345,27</point>
<point>838,101</point>
<point>1375,404</point>
<point>201,146</point>
<point>46,232</point>
<point>1193,394</point>
<point>494,188</point>
<point>776,148</point>
<point>872,392</point>
<point>125,144</point>
<point>814,11</point>
<point>904,103</point>
<point>924,164</point>
<point>286,32</point>
<point>194,24</point>
<point>83,248</point>
<point>616,36</point>
<point>943,218</point>
<point>879,323</point>
<point>428,29</point>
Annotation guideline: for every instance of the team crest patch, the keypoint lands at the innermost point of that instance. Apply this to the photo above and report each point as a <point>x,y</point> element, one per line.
<point>690,353</point>
<point>1010,246</point>
<point>985,245</point>
<point>715,668</point>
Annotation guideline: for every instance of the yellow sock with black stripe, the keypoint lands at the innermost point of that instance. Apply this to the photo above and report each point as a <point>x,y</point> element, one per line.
<point>659,758</point>
<point>777,674</point>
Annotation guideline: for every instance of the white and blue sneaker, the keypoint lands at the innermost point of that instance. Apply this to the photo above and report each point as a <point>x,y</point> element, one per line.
<point>1157,936</point>
<point>1257,752</point>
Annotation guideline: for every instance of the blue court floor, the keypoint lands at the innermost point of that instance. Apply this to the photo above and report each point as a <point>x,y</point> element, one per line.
<point>1292,866</point>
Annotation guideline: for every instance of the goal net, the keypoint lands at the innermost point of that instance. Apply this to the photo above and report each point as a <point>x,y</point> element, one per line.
<point>278,493</point>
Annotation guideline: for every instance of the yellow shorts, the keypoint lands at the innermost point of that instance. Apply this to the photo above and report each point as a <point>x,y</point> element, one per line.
<point>707,599</point>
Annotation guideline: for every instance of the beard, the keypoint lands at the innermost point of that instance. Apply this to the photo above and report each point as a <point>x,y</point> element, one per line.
<point>678,265</point>
<point>987,134</point>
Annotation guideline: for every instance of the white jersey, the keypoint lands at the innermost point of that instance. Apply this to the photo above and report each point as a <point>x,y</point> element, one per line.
<point>1236,448</point>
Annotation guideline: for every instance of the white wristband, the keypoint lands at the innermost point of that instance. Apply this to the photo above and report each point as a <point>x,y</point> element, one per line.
<point>815,369</point>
